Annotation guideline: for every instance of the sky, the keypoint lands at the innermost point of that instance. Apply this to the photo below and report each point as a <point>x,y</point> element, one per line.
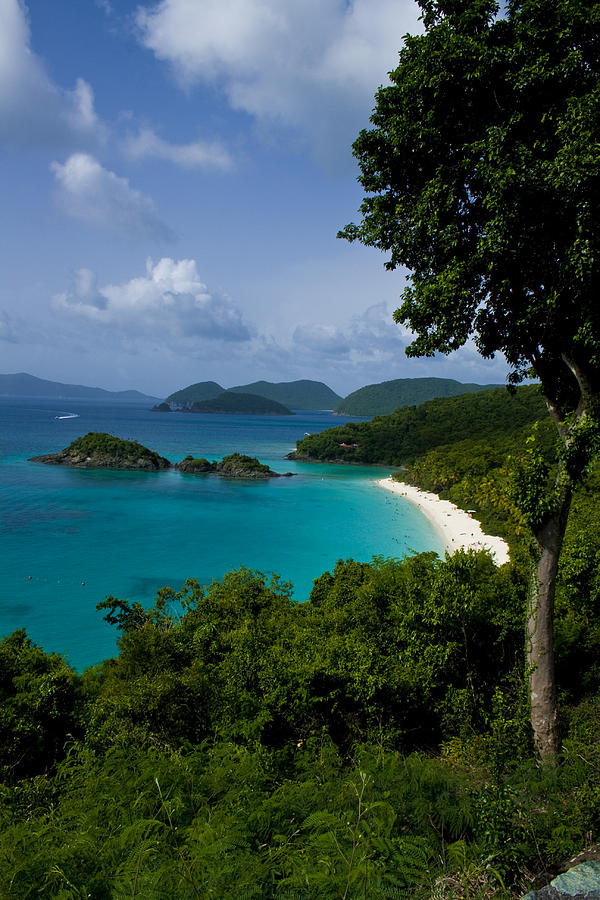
<point>173,176</point>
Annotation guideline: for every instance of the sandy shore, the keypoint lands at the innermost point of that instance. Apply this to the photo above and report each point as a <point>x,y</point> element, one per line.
<point>455,526</point>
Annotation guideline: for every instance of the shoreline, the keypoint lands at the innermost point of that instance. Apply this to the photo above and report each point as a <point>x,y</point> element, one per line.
<point>457,529</point>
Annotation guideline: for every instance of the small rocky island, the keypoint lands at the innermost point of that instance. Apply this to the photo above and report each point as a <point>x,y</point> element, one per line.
<point>97,450</point>
<point>236,465</point>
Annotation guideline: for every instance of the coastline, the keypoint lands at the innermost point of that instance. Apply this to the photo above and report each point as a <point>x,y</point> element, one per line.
<point>456,527</point>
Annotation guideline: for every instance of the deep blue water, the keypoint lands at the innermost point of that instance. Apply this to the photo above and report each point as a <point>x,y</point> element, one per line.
<point>69,538</point>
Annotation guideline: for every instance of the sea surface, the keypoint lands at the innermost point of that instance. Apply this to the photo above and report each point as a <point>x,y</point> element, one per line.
<point>70,537</point>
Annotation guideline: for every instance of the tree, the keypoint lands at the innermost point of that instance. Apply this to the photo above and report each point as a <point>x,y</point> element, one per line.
<point>482,173</point>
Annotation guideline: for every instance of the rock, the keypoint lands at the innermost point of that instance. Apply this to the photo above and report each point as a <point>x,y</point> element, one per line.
<point>582,882</point>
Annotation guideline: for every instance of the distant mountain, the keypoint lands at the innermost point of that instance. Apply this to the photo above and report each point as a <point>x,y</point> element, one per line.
<point>234,402</point>
<point>294,394</point>
<point>24,385</point>
<point>195,393</point>
<point>381,399</point>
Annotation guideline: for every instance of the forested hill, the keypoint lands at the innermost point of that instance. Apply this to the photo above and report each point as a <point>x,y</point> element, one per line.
<point>411,431</point>
<point>195,393</point>
<point>383,398</point>
<point>302,394</point>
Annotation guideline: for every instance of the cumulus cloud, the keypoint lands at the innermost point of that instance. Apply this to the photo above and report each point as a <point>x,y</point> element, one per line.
<point>312,65</point>
<point>168,306</point>
<point>371,349</point>
<point>371,336</point>
<point>92,193</point>
<point>32,107</point>
<point>196,155</point>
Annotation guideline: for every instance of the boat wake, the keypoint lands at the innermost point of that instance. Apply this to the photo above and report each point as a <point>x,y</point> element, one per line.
<point>68,416</point>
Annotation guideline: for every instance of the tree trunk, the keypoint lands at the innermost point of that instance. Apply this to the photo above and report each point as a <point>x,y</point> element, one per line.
<point>540,631</point>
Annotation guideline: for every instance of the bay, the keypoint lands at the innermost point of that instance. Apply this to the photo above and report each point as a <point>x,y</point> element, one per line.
<point>69,538</point>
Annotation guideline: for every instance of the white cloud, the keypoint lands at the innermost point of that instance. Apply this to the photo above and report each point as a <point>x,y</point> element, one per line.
<point>312,65</point>
<point>196,155</point>
<point>92,193</point>
<point>371,349</point>
<point>32,108</point>
<point>371,336</point>
<point>169,306</point>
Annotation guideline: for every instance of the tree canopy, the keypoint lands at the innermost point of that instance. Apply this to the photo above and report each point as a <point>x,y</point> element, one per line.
<point>482,174</point>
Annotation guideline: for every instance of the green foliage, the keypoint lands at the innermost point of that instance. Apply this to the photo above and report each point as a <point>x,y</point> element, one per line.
<point>532,488</point>
<point>235,464</point>
<point>105,449</point>
<point>39,707</point>
<point>383,398</point>
<point>239,462</point>
<point>194,465</point>
<point>401,437</point>
<point>241,745</point>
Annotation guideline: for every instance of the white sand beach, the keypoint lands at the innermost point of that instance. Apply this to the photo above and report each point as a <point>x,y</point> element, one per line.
<point>455,526</point>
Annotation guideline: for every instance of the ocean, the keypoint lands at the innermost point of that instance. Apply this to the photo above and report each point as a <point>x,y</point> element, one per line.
<point>70,537</point>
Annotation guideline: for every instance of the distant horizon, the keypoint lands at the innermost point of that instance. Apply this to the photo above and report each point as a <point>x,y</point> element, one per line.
<point>161,396</point>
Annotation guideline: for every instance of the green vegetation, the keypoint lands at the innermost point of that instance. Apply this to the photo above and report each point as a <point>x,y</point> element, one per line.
<point>194,465</point>
<point>373,741</point>
<point>235,465</point>
<point>238,463</point>
<point>232,402</point>
<point>388,738</point>
<point>399,438</point>
<point>294,394</point>
<point>98,450</point>
<point>195,393</point>
<point>383,398</point>
<point>481,172</point>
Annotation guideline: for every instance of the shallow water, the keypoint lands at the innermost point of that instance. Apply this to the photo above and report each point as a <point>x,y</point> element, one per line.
<point>69,537</point>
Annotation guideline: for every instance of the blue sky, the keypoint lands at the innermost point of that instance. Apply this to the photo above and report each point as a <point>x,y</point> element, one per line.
<point>172,179</point>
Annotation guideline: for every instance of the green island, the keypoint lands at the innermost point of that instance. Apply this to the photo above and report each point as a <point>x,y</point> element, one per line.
<point>97,450</point>
<point>421,728</point>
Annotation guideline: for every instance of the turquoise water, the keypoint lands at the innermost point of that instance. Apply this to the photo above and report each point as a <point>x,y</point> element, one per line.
<point>70,538</point>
